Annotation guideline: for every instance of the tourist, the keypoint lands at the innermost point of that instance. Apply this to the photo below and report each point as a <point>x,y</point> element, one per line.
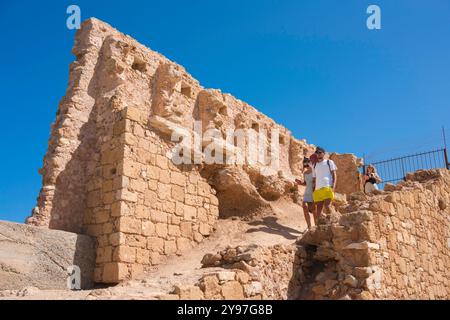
<point>370,179</point>
<point>308,202</point>
<point>324,173</point>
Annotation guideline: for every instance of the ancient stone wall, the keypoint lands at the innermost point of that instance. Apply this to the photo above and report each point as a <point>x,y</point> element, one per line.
<point>112,171</point>
<point>109,170</point>
<point>154,208</point>
<point>395,245</point>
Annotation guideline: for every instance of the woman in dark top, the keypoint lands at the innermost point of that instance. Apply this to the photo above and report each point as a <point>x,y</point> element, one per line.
<point>371,179</point>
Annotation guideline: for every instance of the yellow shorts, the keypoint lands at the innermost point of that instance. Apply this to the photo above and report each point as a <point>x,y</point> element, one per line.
<point>323,194</point>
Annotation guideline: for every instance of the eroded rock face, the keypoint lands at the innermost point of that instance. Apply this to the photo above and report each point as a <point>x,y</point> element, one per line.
<point>238,196</point>
<point>38,257</point>
<point>213,111</point>
<point>166,103</point>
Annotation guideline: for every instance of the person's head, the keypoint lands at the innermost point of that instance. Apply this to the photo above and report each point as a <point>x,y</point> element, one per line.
<point>313,159</point>
<point>320,152</point>
<point>306,163</point>
<point>370,169</point>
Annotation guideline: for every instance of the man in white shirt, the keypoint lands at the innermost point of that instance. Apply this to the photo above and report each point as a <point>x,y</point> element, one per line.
<point>324,174</point>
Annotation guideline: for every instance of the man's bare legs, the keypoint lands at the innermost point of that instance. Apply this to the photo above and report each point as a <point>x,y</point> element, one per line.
<point>318,211</point>
<point>327,204</point>
<point>319,208</point>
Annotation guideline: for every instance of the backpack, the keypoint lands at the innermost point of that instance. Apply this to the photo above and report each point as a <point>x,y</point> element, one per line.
<point>328,163</point>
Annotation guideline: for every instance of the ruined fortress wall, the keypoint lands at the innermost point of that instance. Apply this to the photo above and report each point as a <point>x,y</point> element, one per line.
<point>70,155</point>
<point>157,208</point>
<point>412,228</point>
<point>390,246</point>
<point>108,173</point>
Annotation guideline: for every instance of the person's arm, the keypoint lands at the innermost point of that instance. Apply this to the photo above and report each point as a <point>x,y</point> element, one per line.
<point>377,178</point>
<point>314,178</point>
<point>334,175</point>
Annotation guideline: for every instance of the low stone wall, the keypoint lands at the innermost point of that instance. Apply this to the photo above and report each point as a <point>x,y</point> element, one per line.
<point>250,272</point>
<point>394,245</point>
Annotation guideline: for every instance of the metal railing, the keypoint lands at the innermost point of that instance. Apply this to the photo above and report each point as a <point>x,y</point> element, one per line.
<point>395,170</point>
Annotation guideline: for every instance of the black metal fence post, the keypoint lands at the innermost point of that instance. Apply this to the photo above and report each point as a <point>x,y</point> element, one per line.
<point>446,159</point>
<point>395,170</point>
<point>447,164</point>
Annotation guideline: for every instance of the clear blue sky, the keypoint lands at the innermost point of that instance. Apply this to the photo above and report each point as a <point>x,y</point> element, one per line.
<point>313,66</point>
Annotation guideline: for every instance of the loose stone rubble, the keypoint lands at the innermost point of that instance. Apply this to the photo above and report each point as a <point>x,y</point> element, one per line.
<point>252,273</point>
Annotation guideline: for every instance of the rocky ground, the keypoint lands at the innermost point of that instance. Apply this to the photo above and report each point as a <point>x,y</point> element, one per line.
<point>282,224</point>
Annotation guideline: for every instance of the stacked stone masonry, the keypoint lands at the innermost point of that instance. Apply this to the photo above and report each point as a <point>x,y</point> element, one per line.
<point>394,245</point>
<point>252,272</point>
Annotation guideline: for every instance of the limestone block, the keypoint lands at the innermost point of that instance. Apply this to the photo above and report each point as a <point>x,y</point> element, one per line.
<point>124,254</point>
<point>253,288</point>
<point>31,256</point>
<point>225,276</point>
<point>210,287</point>
<point>232,290</point>
<point>114,272</point>
<point>189,292</point>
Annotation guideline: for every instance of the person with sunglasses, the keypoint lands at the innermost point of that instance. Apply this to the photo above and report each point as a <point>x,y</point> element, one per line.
<point>370,179</point>
<point>324,174</point>
<point>308,202</point>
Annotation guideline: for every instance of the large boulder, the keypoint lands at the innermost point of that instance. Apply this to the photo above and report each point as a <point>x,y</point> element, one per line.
<point>39,257</point>
<point>236,193</point>
<point>348,175</point>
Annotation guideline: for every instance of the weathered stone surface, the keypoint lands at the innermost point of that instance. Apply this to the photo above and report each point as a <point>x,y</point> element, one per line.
<point>188,292</point>
<point>32,256</point>
<point>252,289</point>
<point>232,290</point>
<point>351,281</point>
<point>210,287</point>
<point>211,260</point>
<point>225,276</point>
<point>233,184</point>
<point>348,176</point>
